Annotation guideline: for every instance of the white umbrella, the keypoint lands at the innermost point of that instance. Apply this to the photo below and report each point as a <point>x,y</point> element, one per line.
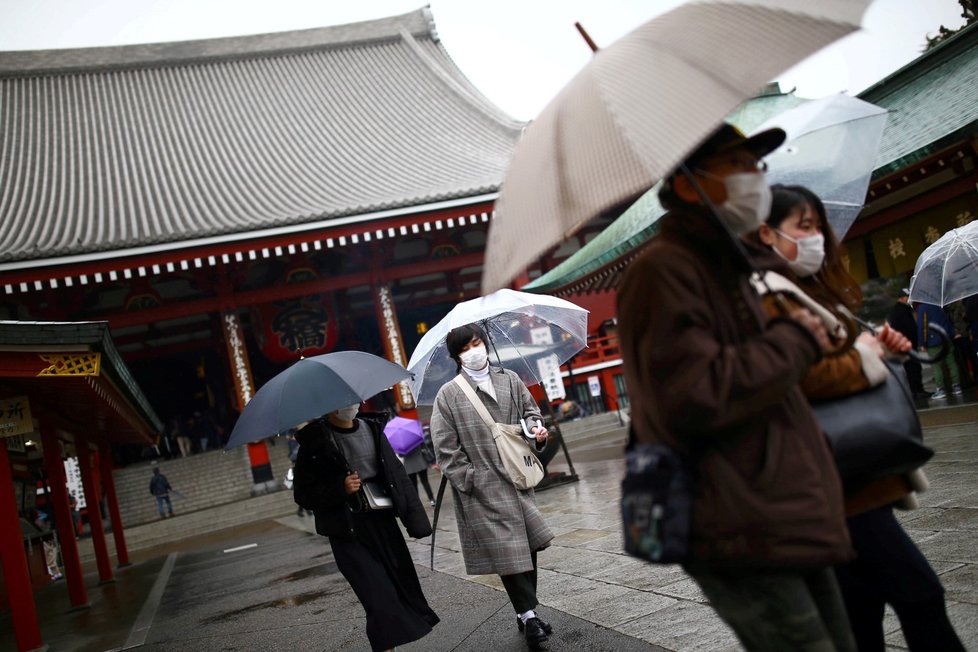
<point>528,333</point>
<point>947,271</point>
<point>632,114</point>
<point>831,148</point>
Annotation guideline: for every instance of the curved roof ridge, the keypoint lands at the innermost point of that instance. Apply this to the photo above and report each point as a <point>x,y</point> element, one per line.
<point>69,60</point>
<point>456,81</point>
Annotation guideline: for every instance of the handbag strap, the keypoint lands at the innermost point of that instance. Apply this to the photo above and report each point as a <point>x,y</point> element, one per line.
<point>476,403</point>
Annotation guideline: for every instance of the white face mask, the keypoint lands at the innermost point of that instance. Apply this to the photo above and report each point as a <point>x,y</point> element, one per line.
<point>475,358</point>
<point>811,253</point>
<point>348,413</point>
<point>748,202</point>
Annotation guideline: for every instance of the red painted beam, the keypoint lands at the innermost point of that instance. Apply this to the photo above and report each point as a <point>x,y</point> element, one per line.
<point>230,247</point>
<point>287,291</point>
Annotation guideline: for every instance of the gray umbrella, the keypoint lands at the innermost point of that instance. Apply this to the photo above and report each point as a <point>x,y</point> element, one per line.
<point>312,387</point>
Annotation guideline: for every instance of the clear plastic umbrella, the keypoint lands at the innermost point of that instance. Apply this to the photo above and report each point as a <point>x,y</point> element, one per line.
<point>529,334</point>
<point>947,271</point>
<point>831,149</point>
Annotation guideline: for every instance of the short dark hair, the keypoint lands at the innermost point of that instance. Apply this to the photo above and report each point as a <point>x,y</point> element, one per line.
<point>457,338</point>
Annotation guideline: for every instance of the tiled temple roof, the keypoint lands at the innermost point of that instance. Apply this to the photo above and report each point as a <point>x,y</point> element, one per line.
<point>115,148</point>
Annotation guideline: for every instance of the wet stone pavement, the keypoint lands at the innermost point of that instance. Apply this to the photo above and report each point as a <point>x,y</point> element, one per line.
<point>274,585</point>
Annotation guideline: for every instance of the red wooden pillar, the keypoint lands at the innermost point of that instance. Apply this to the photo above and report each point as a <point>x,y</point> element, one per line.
<point>244,390</point>
<point>108,485</point>
<point>23,611</point>
<point>58,484</point>
<point>608,388</point>
<point>94,511</point>
<point>390,333</point>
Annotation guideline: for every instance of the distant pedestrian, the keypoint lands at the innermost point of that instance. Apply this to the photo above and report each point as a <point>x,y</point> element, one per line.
<point>903,320</point>
<point>160,487</point>
<point>75,516</point>
<point>946,375</point>
<point>967,358</point>
<point>417,469</point>
<point>181,433</point>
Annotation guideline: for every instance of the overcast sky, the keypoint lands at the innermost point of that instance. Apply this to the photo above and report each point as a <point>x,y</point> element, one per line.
<point>518,52</point>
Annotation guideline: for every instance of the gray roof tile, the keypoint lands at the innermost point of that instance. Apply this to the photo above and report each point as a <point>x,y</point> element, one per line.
<point>113,148</point>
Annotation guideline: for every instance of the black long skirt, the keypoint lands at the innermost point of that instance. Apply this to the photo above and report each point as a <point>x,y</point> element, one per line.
<point>378,566</point>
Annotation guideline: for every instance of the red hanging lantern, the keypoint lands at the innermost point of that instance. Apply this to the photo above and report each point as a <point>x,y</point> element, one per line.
<point>294,328</point>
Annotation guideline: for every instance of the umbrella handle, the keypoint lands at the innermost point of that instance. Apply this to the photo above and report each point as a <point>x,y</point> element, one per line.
<point>920,356</point>
<point>927,357</point>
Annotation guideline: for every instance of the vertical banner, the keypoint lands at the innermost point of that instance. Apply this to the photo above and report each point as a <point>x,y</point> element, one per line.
<point>244,386</point>
<point>244,390</point>
<point>550,378</point>
<point>393,343</point>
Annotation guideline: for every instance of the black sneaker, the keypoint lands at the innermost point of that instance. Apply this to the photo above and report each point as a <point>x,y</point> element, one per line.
<point>535,632</point>
<point>546,626</point>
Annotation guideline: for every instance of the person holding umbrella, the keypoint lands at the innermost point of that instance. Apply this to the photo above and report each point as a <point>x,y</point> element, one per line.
<point>347,473</point>
<point>888,568</point>
<point>500,526</point>
<point>714,380</point>
<point>338,455</point>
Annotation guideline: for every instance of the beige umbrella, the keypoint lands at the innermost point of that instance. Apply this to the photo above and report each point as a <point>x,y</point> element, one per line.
<point>639,107</point>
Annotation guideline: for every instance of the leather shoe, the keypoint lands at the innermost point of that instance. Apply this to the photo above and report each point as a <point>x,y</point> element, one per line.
<point>535,634</point>
<point>546,626</point>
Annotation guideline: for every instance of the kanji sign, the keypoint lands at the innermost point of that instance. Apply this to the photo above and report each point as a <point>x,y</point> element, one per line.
<point>15,416</point>
<point>550,377</point>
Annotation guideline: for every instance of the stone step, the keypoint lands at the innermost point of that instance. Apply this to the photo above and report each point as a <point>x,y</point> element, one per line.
<point>184,525</point>
<point>586,427</point>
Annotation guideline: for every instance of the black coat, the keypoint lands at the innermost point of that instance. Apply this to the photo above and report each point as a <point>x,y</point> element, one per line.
<point>903,320</point>
<point>320,470</point>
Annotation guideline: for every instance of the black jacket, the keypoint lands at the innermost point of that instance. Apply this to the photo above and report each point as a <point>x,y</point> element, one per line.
<point>320,470</point>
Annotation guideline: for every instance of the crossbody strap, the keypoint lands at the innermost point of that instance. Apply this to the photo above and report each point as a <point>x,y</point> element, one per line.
<point>476,403</point>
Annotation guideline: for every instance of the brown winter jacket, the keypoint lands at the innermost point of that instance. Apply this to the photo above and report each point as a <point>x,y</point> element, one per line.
<point>706,379</point>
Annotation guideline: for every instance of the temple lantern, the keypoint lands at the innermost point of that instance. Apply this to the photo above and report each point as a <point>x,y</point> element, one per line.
<point>289,329</point>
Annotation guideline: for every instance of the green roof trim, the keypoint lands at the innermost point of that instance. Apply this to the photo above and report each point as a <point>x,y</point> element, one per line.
<point>933,103</point>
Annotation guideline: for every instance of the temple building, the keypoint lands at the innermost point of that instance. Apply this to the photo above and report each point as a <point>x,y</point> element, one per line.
<point>230,205</point>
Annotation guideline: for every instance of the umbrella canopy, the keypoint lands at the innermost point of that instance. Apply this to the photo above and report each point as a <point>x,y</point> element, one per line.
<point>831,149</point>
<point>947,271</point>
<point>404,434</point>
<point>310,388</point>
<point>530,334</point>
<point>633,113</point>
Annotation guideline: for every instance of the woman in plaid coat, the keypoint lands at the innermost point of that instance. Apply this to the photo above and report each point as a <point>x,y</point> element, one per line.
<point>500,527</point>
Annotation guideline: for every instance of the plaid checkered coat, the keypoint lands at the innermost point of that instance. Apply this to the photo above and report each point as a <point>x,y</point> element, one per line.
<point>498,524</point>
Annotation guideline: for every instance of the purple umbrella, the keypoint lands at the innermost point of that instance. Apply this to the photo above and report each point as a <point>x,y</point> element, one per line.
<point>404,434</point>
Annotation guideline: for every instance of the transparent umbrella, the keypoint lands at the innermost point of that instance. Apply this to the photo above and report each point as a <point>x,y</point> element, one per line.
<point>530,334</point>
<point>831,148</point>
<point>947,271</point>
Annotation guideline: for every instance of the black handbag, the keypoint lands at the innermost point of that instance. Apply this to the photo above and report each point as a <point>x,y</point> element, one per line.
<point>876,433</point>
<point>376,495</point>
<point>656,503</point>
